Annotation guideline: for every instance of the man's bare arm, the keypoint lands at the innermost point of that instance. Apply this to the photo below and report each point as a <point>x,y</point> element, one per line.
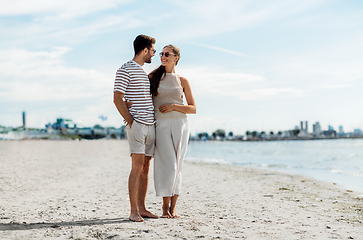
<point>121,107</point>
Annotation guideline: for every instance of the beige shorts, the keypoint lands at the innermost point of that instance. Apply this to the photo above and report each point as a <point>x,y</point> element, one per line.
<point>141,138</point>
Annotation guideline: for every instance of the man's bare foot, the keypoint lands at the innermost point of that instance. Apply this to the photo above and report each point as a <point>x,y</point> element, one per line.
<point>146,214</point>
<point>135,217</point>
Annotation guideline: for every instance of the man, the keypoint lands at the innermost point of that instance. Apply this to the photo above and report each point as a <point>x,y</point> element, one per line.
<point>132,84</point>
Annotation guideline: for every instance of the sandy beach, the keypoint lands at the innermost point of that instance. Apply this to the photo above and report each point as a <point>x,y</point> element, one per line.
<point>78,190</point>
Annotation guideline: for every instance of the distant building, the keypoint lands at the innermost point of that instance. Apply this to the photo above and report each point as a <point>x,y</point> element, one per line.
<point>316,128</point>
<point>61,124</point>
<point>330,128</point>
<point>24,123</point>
<point>303,131</point>
<point>358,132</point>
<point>330,133</point>
<point>341,131</point>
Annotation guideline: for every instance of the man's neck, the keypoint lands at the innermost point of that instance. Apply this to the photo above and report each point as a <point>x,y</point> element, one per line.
<point>139,60</point>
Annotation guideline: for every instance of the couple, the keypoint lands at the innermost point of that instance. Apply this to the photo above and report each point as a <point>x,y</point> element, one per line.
<point>156,124</point>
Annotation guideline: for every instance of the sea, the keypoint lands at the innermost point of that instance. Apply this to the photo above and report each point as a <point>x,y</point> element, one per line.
<point>338,161</point>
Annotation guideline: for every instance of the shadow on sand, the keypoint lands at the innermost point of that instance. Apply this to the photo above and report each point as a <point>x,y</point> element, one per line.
<point>28,226</point>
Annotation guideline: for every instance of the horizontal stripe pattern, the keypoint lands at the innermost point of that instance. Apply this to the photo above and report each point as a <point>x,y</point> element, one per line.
<point>133,81</point>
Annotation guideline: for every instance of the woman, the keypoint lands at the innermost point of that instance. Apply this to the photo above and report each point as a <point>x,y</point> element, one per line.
<point>172,132</point>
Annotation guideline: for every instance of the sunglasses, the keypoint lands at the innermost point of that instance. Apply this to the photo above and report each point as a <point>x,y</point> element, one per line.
<point>166,54</point>
<point>153,50</point>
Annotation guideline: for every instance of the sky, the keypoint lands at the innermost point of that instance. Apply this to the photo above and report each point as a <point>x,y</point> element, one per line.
<point>252,65</point>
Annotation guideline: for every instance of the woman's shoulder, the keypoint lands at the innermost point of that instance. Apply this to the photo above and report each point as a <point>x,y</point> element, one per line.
<point>183,80</point>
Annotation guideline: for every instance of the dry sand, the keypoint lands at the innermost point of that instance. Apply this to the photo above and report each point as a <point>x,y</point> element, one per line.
<point>78,190</point>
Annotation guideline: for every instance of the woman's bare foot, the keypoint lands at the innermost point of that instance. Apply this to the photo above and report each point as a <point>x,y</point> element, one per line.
<point>135,217</point>
<point>146,214</point>
<point>174,214</point>
<point>172,209</point>
<point>166,214</point>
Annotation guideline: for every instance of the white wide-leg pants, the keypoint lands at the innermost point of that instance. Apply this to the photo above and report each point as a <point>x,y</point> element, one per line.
<point>171,141</point>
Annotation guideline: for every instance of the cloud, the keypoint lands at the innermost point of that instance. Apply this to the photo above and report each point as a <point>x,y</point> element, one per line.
<point>213,17</point>
<point>209,81</point>
<point>44,76</point>
<point>62,9</point>
<point>336,86</point>
<point>332,64</point>
<point>212,81</point>
<point>62,20</point>
<point>57,31</point>
<point>46,87</point>
<point>269,93</point>
<point>328,19</point>
<point>47,23</point>
<point>221,49</point>
<point>79,33</point>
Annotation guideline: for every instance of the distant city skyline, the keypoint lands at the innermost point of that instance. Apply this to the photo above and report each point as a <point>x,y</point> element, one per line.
<point>258,65</point>
<point>304,127</point>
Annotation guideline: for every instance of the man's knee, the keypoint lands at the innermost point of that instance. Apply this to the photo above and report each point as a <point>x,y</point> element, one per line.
<point>137,162</point>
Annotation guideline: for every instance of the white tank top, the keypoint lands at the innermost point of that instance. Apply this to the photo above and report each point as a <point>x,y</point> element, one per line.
<point>169,91</point>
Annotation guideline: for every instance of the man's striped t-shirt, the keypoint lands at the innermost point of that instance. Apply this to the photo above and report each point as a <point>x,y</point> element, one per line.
<point>133,81</point>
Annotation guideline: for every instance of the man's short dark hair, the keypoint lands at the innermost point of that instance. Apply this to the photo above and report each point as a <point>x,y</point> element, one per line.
<point>141,42</point>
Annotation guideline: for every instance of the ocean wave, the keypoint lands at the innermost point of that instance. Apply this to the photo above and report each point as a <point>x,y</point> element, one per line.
<point>207,160</point>
<point>275,165</point>
<point>355,174</point>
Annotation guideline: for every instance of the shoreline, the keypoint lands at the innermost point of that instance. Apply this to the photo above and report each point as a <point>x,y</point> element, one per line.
<point>278,139</point>
<point>78,189</point>
<point>312,178</point>
<point>326,165</point>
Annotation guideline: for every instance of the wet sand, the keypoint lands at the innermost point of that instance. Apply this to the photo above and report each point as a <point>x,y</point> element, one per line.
<point>78,190</point>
